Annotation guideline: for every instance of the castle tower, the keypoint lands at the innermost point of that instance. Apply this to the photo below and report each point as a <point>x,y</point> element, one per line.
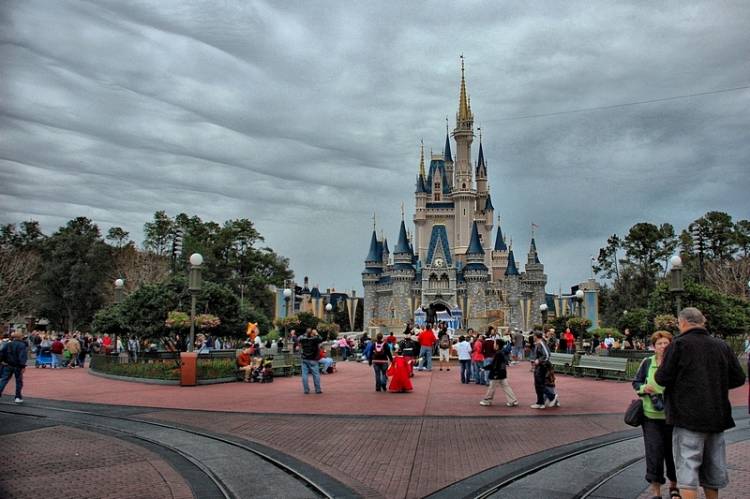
<point>476,277</point>
<point>535,281</point>
<point>499,255</point>
<point>402,275</point>
<point>421,195</point>
<point>513,288</point>
<point>464,195</point>
<point>370,277</point>
<point>448,157</point>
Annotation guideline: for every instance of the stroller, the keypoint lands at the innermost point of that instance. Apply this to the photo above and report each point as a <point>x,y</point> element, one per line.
<point>44,358</point>
<point>263,373</point>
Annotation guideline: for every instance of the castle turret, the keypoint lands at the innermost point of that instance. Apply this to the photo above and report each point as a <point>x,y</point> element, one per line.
<point>448,157</point>
<point>371,276</point>
<point>513,289</point>
<point>464,195</point>
<point>535,281</point>
<point>476,277</point>
<point>499,255</point>
<point>402,274</point>
<point>420,212</point>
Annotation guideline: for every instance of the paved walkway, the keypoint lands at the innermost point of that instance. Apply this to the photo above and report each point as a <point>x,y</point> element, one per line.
<point>380,444</point>
<point>350,391</point>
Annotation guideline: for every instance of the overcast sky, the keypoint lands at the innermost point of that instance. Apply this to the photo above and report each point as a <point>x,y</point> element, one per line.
<point>306,117</point>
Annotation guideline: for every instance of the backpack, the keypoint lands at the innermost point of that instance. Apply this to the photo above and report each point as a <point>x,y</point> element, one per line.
<point>507,348</point>
<point>445,342</point>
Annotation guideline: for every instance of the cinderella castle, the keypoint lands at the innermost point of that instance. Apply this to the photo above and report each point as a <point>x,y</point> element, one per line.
<point>452,268</point>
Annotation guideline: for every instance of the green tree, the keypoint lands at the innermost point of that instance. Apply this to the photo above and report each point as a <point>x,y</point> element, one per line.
<point>718,230</point>
<point>726,314</point>
<point>607,263</point>
<point>71,284</point>
<point>117,236</point>
<point>742,237</point>
<point>159,234</point>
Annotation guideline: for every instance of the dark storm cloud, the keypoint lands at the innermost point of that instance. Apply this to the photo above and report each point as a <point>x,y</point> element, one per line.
<point>306,117</point>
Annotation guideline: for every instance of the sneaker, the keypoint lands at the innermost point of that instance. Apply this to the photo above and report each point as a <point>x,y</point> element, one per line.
<point>555,402</point>
<point>537,406</point>
<point>485,403</point>
<point>514,404</point>
<point>18,401</point>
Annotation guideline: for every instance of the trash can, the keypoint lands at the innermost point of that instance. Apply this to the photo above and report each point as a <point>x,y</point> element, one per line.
<point>188,368</point>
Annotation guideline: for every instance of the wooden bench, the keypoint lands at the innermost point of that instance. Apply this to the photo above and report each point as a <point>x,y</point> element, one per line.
<point>562,360</point>
<point>282,365</point>
<point>601,364</point>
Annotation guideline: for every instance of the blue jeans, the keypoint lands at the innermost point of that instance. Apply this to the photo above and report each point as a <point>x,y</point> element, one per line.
<point>465,370</point>
<point>477,372</point>
<point>426,354</point>
<point>381,379</point>
<point>310,367</point>
<point>5,373</point>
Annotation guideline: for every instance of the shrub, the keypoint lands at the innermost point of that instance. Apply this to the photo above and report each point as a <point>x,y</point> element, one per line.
<point>666,322</point>
<point>579,326</point>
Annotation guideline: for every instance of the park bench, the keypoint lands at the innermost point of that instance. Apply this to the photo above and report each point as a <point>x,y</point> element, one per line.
<point>601,364</point>
<point>282,365</point>
<point>562,360</point>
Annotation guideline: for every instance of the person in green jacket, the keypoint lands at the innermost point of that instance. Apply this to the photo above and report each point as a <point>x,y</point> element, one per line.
<point>657,434</point>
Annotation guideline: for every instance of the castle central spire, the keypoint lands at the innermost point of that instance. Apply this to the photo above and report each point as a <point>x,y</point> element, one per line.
<point>464,108</point>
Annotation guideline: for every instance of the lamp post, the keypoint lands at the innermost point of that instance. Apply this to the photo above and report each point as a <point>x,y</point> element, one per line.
<point>329,307</point>
<point>579,299</point>
<point>675,280</point>
<point>543,310</point>
<point>287,297</point>
<point>119,295</point>
<point>194,286</point>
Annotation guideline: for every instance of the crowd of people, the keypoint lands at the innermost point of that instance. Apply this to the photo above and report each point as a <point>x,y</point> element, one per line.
<point>684,384</point>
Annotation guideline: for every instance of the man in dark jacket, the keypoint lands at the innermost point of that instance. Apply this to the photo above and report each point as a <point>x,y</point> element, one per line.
<point>14,358</point>
<point>310,346</point>
<point>697,373</point>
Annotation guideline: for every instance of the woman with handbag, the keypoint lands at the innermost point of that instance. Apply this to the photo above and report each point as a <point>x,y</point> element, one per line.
<point>657,434</point>
<point>498,375</point>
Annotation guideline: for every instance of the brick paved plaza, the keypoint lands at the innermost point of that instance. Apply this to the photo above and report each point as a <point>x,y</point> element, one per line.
<point>378,444</point>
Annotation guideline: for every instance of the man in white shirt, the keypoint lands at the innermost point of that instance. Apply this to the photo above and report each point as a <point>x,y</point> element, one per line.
<point>463,351</point>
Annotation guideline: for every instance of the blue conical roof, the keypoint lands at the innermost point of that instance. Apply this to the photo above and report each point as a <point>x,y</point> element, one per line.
<point>375,254</point>
<point>499,240</point>
<point>403,241</point>
<point>384,247</point>
<point>447,156</point>
<point>480,161</point>
<point>511,269</point>
<point>475,247</point>
<point>532,251</point>
<point>488,204</point>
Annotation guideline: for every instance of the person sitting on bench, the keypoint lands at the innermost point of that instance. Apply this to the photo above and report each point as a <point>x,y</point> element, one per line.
<point>245,362</point>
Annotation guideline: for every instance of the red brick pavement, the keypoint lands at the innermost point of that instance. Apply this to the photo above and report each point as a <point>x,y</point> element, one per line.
<point>381,456</point>
<point>403,456</point>
<point>60,461</point>
<point>739,473</point>
<point>350,391</point>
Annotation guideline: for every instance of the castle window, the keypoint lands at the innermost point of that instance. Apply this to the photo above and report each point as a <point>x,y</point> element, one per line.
<point>437,196</point>
<point>463,186</point>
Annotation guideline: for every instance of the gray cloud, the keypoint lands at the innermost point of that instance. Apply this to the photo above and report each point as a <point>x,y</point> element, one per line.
<point>307,117</point>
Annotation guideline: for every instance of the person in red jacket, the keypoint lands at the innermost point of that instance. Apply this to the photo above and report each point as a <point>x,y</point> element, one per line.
<point>245,362</point>
<point>426,341</point>
<point>399,373</point>
<point>570,341</point>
